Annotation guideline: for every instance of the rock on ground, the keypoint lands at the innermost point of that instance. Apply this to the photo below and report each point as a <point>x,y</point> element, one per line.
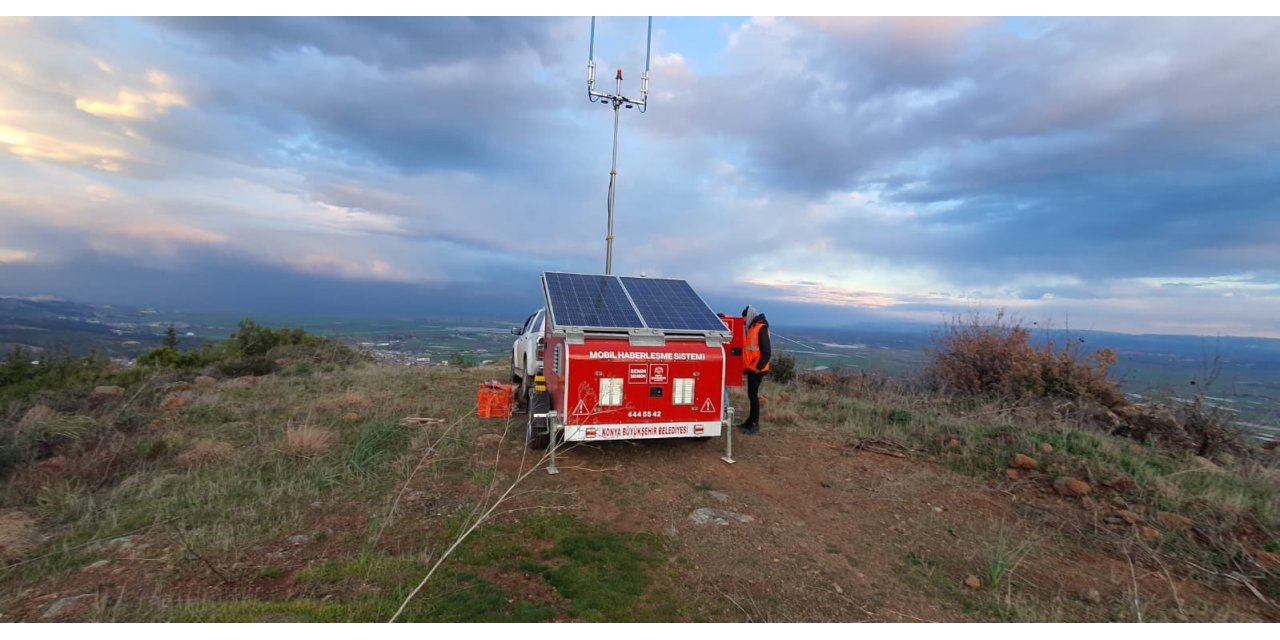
<point>1020,461</point>
<point>704,515</point>
<point>1072,487</point>
<point>1173,520</point>
<point>70,606</point>
<point>109,391</point>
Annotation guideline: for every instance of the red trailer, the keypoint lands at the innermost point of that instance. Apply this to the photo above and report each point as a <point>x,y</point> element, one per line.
<point>630,358</point>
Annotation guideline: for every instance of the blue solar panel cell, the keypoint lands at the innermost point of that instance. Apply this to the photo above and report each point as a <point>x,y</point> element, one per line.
<point>671,305</point>
<point>579,300</point>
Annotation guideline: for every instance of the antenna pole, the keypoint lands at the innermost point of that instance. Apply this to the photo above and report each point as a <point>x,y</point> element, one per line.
<point>617,101</point>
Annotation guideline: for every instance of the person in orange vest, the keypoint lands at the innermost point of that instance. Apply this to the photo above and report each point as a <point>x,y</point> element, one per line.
<point>755,362</point>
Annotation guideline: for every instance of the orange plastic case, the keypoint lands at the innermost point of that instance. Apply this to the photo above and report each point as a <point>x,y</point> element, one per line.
<point>493,400</point>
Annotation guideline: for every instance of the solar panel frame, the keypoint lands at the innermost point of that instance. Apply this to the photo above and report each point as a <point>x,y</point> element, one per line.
<point>671,305</point>
<point>627,304</point>
<point>589,301</point>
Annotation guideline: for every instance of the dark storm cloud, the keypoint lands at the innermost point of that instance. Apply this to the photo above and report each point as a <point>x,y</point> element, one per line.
<point>384,42</point>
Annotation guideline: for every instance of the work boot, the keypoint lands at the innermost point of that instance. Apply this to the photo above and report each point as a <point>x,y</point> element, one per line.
<point>749,428</point>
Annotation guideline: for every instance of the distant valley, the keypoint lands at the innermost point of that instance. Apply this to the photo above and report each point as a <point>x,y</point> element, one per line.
<point>1149,367</point>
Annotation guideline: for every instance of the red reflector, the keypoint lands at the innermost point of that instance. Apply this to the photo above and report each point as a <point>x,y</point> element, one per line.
<point>591,433</point>
<point>697,429</point>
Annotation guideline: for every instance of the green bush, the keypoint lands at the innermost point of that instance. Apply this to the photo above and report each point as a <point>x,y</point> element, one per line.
<point>782,367</point>
<point>254,350</point>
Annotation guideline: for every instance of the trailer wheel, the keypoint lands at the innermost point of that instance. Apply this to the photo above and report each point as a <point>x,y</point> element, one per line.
<point>538,432</point>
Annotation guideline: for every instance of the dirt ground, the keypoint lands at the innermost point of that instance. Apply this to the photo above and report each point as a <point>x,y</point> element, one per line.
<point>837,534</point>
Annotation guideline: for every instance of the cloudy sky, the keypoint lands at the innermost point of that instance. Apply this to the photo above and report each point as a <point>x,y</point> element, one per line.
<point>1114,174</point>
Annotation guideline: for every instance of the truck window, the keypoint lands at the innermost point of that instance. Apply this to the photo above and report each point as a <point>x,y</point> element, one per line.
<point>528,323</point>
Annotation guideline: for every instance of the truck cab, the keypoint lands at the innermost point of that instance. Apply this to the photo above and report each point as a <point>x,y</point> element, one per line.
<point>526,353</point>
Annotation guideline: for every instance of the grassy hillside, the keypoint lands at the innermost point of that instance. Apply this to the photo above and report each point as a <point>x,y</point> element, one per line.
<point>328,495</point>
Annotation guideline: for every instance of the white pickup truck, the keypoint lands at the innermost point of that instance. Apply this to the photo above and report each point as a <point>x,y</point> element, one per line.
<point>526,355</point>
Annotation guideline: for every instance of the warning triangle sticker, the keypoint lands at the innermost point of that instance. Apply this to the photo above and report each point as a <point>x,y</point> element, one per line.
<point>707,407</point>
<point>581,409</point>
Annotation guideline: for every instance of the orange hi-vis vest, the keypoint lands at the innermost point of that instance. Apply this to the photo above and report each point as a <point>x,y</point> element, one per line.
<point>751,352</point>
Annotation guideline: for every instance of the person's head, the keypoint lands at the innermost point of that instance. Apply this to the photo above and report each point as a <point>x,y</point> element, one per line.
<point>749,313</point>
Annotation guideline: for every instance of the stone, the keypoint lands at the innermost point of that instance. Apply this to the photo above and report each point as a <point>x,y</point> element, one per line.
<point>672,532</point>
<point>299,540</point>
<point>718,496</point>
<point>173,401</point>
<point>1045,447</point>
<point>123,544</point>
<point>1129,517</point>
<point>973,582</point>
<point>1093,596</point>
<point>351,417</point>
<point>1170,520</point>
<point>953,442</point>
<point>1072,487</point>
<point>1012,474</point>
<point>489,439</point>
<point>106,392</point>
<point>1150,534</point>
<point>71,606</point>
<point>206,381</point>
<point>180,387</point>
<point>1024,462</point>
<point>704,515</point>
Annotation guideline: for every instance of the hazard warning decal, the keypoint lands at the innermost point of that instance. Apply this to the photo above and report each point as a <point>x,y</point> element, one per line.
<point>581,409</point>
<point>708,406</point>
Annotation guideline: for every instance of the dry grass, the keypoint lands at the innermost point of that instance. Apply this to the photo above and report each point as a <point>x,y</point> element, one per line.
<point>35,415</point>
<point>18,535</point>
<point>345,402</point>
<point>977,355</point>
<point>307,441</point>
<point>205,452</point>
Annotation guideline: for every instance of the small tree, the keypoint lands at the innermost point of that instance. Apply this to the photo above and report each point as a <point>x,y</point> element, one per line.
<point>170,338</point>
<point>783,367</point>
<point>456,359</point>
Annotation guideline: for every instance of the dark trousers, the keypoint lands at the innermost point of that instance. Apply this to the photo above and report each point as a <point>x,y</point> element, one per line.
<point>753,394</point>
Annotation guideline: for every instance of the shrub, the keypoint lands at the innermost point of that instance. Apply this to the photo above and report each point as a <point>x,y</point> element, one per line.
<point>782,367</point>
<point>306,442</point>
<point>18,535</point>
<point>458,360</point>
<point>378,443</point>
<point>205,452</point>
<point>975,355</point>
<point>255,350</point>
<point>39,437</point>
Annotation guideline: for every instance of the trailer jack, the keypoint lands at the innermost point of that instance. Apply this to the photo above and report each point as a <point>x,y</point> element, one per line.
<point>728,438</point>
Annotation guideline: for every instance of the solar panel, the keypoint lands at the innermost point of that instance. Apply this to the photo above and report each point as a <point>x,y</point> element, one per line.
<point>578,300</point>
<point>671,304</point>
